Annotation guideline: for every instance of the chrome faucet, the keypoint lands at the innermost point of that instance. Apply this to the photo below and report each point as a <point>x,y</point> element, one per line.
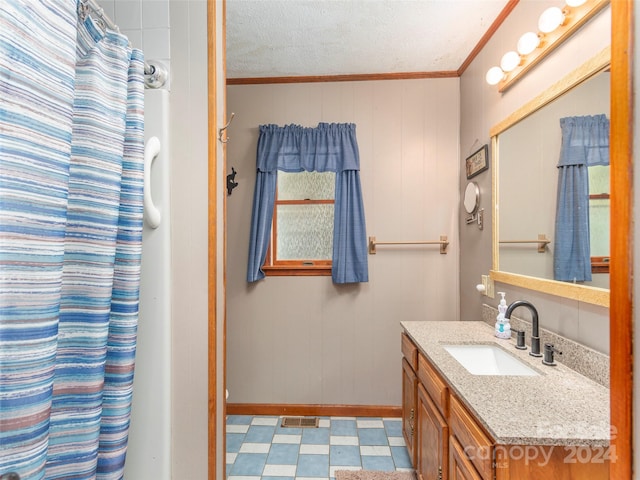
<point>535,329</point>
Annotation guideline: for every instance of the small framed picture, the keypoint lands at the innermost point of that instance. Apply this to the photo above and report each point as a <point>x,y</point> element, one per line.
<point>478,162</point>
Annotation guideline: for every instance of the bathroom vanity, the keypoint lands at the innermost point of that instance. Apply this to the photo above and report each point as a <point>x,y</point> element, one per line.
<point>542,422</point>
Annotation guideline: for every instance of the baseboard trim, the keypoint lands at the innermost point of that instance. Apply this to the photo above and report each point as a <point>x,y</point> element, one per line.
<point>388,411</point>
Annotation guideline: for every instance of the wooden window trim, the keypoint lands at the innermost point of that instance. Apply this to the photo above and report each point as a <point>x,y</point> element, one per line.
<point>600,264</point>
<point>293,268</point>
<point>297,271</point>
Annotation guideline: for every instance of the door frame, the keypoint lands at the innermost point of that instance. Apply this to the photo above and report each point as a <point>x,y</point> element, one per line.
<point>216,48</point>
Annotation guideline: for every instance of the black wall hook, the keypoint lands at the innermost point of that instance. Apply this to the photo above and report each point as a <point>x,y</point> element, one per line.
<point>231,181</point>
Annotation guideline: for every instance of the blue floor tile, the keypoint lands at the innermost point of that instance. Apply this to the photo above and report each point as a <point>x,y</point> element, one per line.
<point>234,442</point>
<point>372,436</point>
<point>283,454</point>
<point>260,434</point>
<point>344,428</point>
<point>315,436</point>
<point>393,428</point>
<point>401,457</point>
<point>239,419</point>
<point>378,463</point>
<point>345,455</point>
<point>313,466</point>
<point>249,464</point>
<point>288,430</point>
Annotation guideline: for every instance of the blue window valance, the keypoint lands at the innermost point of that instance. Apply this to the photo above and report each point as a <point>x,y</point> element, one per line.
<point>329,147</point>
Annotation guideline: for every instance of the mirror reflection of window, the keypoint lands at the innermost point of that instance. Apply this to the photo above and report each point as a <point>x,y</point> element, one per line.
<point>528,154</point>
<point>599,217</point>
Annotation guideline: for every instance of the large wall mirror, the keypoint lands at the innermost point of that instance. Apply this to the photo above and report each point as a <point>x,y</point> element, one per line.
<point>551,189</point>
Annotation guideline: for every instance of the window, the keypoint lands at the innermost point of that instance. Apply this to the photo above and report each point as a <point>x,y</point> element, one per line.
<point>292,148</point>
<point>301,241</point>
<point>599,205</point>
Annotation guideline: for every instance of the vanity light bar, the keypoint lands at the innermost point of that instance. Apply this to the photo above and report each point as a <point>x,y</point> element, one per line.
<point>573,16</point>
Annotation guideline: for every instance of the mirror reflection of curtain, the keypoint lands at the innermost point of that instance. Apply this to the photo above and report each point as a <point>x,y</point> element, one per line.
<point>585,142</point>
<point>326,148</point>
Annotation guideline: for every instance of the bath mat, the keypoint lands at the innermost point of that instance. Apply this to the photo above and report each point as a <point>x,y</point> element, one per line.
<point>373,475</point>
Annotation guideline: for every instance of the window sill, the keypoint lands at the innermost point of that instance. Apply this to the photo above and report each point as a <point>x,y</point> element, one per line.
<point>599,264</point>
<point>297,271</point>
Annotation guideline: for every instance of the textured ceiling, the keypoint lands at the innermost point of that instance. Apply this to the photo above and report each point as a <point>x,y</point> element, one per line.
<point>279,38</point>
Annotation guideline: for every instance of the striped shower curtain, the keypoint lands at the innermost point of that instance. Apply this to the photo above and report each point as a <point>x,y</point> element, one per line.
<point>71,159</point>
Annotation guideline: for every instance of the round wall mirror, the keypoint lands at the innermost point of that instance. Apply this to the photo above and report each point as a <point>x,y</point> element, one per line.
<point>472,198</point>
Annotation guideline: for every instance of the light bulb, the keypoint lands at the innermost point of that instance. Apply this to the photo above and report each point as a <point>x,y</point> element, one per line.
<point>528,43</point>
<point>575,3</point>
<point>510,60</point>
<point>550,19</point>
<point>494,75</point>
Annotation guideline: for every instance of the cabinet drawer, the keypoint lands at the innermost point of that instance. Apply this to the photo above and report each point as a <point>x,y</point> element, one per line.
<point>410,351</point>
<point>433,384</point>
<point>477,446</point>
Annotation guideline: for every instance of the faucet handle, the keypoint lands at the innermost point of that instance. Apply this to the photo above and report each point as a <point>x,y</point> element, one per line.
<point>549,350</point>
<point>520,345</point>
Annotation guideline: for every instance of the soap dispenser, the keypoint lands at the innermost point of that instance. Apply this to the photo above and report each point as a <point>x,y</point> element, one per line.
<point>503,328</point>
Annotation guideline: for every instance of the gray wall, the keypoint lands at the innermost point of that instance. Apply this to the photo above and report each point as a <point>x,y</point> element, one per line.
<point>482,106</point>
<point>303,339</point>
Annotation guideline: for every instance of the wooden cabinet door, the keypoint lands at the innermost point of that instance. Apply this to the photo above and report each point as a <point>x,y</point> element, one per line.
<point>409,394</point>
<point>459,465</point>
<point>432,440</point>
<point>468,432</point>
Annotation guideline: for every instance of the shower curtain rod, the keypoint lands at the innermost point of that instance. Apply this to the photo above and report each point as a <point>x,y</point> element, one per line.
<point>155,74</point>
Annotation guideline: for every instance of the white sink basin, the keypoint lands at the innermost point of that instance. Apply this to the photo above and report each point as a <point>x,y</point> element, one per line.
<point>488,360</point>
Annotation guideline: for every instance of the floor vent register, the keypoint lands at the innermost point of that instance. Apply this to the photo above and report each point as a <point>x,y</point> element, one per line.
<point>300,422</point>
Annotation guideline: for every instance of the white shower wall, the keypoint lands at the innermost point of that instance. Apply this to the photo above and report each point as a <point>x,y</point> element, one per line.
<point>149,449</point>
<point>146,24</point>
<point>169,430</point>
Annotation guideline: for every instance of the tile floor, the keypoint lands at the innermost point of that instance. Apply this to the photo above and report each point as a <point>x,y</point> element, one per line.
<point>258,448</point>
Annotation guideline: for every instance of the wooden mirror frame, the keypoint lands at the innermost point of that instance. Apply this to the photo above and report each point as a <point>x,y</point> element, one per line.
<point>583,293</point>
<point>621,316</point>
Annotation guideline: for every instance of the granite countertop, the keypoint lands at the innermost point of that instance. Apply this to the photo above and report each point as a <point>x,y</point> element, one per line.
<point>557,407</point>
